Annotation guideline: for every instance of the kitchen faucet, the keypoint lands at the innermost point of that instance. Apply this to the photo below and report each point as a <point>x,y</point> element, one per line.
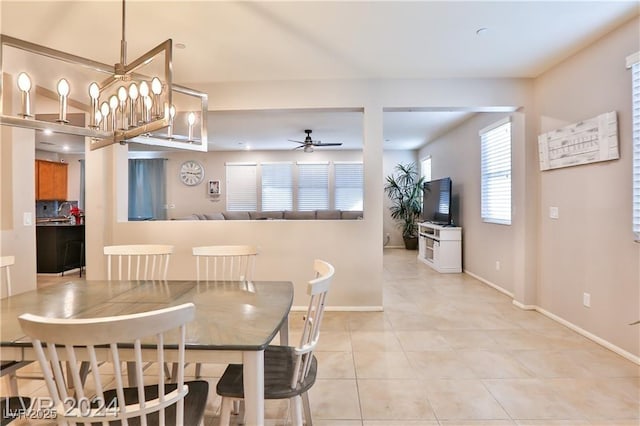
<point>61,206</point>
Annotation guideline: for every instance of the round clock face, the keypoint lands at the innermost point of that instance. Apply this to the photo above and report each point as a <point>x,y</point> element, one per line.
<point>191,173</point>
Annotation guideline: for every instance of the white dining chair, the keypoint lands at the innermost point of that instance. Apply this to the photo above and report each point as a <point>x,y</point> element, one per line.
<point>9,368</point>
<point>289,372</point>
<point>138,261</point>
<point>55,339</point>
<point>229,263</point>
<point>6,262</point>
<point>224,262</point>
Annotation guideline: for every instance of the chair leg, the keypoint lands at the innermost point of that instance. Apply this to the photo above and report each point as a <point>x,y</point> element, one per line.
<point>296,410</point>
<point>167,373</point>
<point>174,371</point>
<point>307,409</point>
<point>12,380</point>
<point>225,411</point>
<point>198,369</point>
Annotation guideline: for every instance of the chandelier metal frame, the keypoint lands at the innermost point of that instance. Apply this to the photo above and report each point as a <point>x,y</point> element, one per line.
<point>143,132</point>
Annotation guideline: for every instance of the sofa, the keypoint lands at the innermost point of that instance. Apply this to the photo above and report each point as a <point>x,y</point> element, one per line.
<point>277,215</point>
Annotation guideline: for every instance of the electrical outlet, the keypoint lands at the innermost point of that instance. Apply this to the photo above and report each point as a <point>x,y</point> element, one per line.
<point>497,265</point>
<point>554,213</point>
<point>586,300</point>
<point>27,219</point>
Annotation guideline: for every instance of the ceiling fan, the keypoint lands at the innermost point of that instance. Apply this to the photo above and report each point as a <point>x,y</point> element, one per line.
<point>308,144</point>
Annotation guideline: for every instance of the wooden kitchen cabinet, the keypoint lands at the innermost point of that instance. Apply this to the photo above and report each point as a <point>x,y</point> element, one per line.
<point>51,180</point>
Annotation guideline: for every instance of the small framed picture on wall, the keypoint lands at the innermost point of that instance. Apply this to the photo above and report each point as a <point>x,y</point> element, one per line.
<point>214,187</point>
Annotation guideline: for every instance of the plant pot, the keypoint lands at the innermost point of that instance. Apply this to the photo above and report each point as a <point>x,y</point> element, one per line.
<point>411,243</point>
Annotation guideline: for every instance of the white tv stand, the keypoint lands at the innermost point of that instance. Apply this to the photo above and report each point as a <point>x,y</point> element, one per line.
<point>440,247</point>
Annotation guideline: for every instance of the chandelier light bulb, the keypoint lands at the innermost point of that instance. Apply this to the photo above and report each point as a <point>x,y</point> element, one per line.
<point>63,87</point>
<point>63,91</point>
<point>122,97</point>
<point>172,114</point>
<point>98,118</point>
<point>144,89</point>
<point>191,119</point>
<point>94,94</point>
<point>122,94</point>
<point>94,90</point>
<point>24,84</point>
<point>133,91</point>
<point>104,110</point>
<point>113,105</point>
<point>156,86</point>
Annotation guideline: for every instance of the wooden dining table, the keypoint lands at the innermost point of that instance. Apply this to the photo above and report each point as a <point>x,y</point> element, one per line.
<point>235,320</point>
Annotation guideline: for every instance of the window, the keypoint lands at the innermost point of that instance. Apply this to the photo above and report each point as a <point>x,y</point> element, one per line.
<point>313,186</point>
<point>241,187</point>
<point>495,153</point>
<point>277,186</point>
<point>349,184</point>
<point>425,169</point>
<point>633,62</point>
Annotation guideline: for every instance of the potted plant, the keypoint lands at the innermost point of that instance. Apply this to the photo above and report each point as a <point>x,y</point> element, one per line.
<point>404,189</point>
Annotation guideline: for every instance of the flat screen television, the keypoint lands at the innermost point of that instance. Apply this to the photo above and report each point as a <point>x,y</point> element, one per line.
<point>436,204</point>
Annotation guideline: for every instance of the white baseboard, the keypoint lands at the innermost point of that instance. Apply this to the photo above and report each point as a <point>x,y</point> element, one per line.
<point>625,354</point>
<point>523,306</point>
<point>489,283</point>
<point>628,355</point>
<point>393,247</point>
<point>342,308</point>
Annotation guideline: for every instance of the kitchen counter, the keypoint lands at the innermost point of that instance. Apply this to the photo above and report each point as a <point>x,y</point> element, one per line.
<point>52,240</point>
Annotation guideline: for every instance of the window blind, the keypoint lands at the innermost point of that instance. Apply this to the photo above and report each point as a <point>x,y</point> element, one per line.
<point>635,72</point>
<point>349,184</point>
<point>426,169</point>
<point>241,187</point>
<point>313,186</point>
<point>495,153</point>
<point>277,186</point>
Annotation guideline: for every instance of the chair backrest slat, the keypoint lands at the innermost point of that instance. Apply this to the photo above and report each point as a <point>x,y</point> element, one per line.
<point>6,262</point>
<point>74,340</point>
<point>317,289</point>
<point>230,263</point>
<point>138,261</point>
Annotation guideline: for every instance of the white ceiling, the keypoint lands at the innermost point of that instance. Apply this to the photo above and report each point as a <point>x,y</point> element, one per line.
<point>297,40</point>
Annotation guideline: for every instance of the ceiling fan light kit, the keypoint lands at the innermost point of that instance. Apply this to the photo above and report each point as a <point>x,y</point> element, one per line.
<point>126,102</point>
<point>308,144</point>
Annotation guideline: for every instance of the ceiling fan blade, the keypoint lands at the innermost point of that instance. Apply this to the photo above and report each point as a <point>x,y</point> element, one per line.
<point>297,147</point>
<point>328,144</point>
<point>291,140</point>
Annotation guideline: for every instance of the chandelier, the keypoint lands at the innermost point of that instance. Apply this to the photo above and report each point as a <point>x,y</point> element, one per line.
<point>126,102</point>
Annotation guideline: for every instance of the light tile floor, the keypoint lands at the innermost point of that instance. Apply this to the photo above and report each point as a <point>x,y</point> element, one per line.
<point>451,351</point>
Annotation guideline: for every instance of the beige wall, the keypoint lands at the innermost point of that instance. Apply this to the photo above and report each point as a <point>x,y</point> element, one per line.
<point>590,248</point>
<point>545,263</point>
<point>354,246</point>
<point>17,159</point>
<point>389,161</point>
<point>187,200</point>
<point>457,155</point>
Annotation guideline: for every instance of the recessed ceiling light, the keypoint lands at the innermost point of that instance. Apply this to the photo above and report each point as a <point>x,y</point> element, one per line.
<point>387,140</point>
<point>180,46</point>
<point>248,148</point>
<point>482,31</point>
<point>48,132</point>
<point>66,147</point>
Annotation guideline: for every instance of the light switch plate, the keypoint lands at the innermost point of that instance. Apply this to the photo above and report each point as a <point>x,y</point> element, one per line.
<point>27,219</point>
<point>554,213</point>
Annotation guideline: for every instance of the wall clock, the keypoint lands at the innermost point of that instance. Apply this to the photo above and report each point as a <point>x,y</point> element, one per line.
<point>191,173</point>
